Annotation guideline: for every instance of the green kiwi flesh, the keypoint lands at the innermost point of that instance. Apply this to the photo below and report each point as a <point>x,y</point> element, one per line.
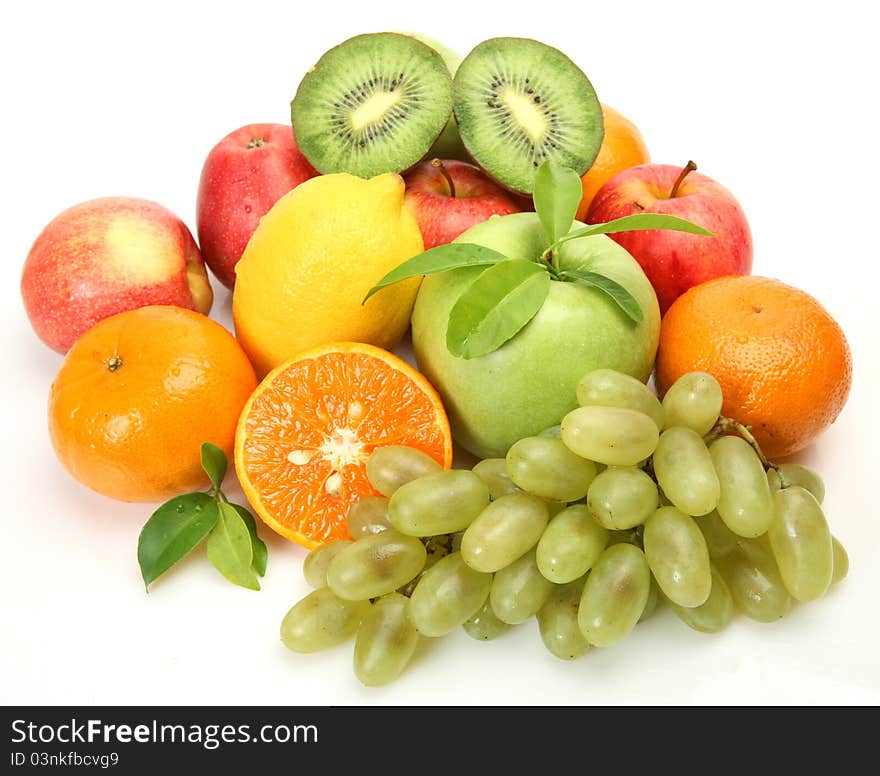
<point>519,102</point>
<point>373,104</point>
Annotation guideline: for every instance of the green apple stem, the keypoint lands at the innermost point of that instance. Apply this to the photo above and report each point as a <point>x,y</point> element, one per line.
<point>438,163</point>
<point>686,170</point>
<point>550,259</point>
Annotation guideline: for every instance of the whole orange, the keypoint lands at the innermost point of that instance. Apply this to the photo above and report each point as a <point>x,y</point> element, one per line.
<point>622,147</point>
<point>137,395</point>
<point>782,361</point>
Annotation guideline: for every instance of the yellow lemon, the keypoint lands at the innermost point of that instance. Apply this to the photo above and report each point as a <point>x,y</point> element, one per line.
<point>312,260</point>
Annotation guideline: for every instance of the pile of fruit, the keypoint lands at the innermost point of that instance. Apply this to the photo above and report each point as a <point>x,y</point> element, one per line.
<point>546,269</point>
<point>587,527</point>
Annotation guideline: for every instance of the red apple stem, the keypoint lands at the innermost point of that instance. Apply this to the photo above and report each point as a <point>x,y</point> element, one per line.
<point>256,142</point>
<point>438,163</point>
<point>686,170</point>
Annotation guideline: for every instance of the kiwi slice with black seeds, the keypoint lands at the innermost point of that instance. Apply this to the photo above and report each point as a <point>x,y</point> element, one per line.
<point>519,102</point>
<point>373,104</point>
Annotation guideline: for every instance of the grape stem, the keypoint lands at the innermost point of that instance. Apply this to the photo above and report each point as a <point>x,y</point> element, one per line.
<point>725,426</point>
<point>435,545</point>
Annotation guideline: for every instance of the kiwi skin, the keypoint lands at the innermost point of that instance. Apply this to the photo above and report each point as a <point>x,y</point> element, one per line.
<point>345,78</point>
<point>549,87</point>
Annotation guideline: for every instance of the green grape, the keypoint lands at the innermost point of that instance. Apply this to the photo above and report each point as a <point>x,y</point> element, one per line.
<point>714,614</point>
<point>316,562</point>
<point>841,561</point>
<point>607,388</point>
<point>553,431</point>
<point>801,543</point>
<point>753,579</point>
<point>684,470</point>
<point>615,595</point>
<point>506,529</point>
<point>493,471</point>
<point>622,497</point>
<point>719,538</point>
<point>484,625</point>
<point>693,401</point>
<point>438,504</point>
<point>652,603</point>
<point>368,516</point>
<point>615,436</point>
<point>375,565</point>
<point>558,622</point>
<point>744,503</point>
<point>795,474</point>
<point>570,545</point>
<point>545,467</point>
<point>390,467</point>
<point>519,590</point>
<point>385,642</point>
<point>447,595</point>
<point>321,620</point>
<point>678,557</point>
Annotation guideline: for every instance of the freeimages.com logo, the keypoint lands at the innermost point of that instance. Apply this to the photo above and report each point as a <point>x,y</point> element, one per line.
<point>209,736</point>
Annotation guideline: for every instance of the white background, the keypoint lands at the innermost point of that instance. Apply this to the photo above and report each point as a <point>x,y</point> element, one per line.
<point>775,100</point>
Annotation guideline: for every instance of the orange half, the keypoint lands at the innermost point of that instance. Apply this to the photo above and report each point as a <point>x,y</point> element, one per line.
<point>304,436</point>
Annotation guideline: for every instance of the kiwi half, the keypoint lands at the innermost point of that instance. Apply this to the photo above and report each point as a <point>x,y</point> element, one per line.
<point>519,102</point>
<point>373,104</point>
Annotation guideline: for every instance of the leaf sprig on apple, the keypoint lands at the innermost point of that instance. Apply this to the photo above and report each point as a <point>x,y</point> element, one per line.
<point>510,291</point>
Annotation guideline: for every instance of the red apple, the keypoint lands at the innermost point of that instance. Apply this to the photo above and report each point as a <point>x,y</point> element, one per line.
<point>675,261</point>
<point>246,173</point>
<point>106,256</point>
<point>448,197</point>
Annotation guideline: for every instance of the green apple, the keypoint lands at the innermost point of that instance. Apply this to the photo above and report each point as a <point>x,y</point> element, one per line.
<point>530,382</point>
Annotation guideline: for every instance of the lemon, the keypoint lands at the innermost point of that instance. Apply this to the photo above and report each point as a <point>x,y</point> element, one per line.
<point>311,261</point>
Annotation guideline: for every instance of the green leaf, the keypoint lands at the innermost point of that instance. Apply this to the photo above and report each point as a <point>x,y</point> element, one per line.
<point>557,194</point>
<point>230,549</point>
<point>173,531</point>
<point>439,259</point>
<point>635,223</point>
<point>623,298</point>
<point>260,551</point>
<point>501,300</point>
<point>214,463</point>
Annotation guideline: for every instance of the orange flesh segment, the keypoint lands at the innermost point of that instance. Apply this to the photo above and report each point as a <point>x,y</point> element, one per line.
<point>310,427</point>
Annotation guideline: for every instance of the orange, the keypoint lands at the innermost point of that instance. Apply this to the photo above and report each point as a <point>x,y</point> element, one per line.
<point>622,147</point>
<point>783,362</point>
<point>305,435</point>
<point>136,396</point>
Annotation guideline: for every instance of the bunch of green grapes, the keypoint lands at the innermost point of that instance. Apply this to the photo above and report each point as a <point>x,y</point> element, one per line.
<point>586,527</point>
